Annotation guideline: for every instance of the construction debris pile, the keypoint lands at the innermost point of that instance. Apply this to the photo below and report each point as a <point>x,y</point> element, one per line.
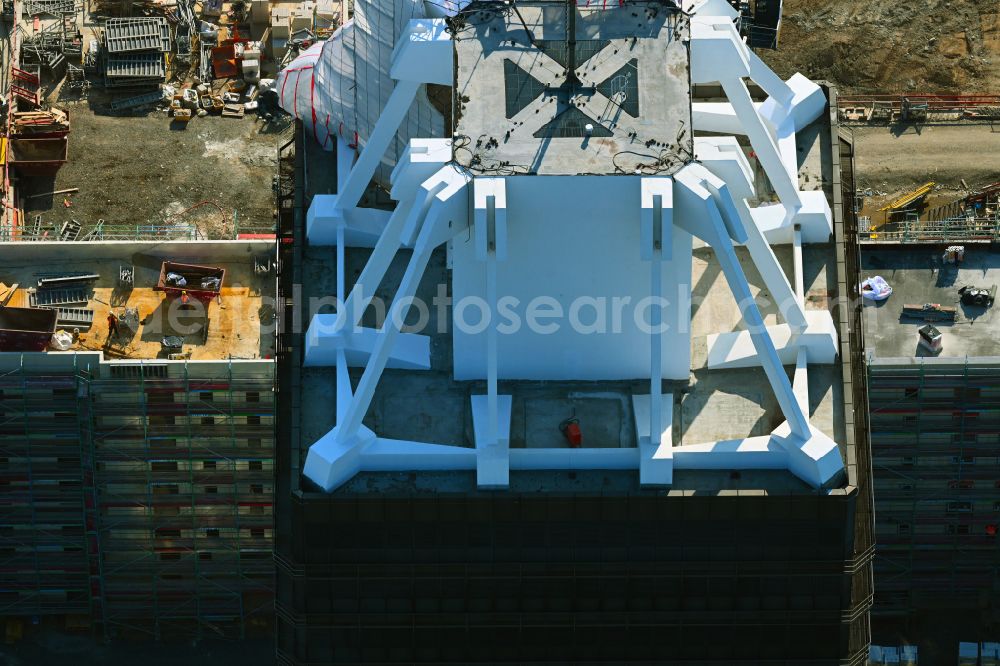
<point>181,58</point>
<point>133,52</point>
<point>54,45</point>
<point>233,101</point>
<point>39,123</point>
<point>37,142</point>
<point>291,27</point>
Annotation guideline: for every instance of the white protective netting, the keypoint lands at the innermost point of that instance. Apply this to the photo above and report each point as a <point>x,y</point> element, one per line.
<point>340,86</point>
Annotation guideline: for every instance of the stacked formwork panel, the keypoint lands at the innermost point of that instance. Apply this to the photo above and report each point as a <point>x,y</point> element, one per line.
<point>134,51</point>
<point>935,435</point>
<point>43,569</point>
<point>162,493</point>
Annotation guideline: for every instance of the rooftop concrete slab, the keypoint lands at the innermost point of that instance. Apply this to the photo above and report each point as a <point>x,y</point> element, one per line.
<point>525,97</point>
<point>921,275</point>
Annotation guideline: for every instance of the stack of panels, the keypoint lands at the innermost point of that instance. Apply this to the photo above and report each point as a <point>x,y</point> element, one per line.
<point>142,65</point>
<point>50,7</point>
<point>124,35</point>
<point>134,51</point>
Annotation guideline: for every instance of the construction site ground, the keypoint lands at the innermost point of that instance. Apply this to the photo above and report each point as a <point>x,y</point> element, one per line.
<point>890,161</point>
<point>883,46</point>
<point>137,167</point>
<point>145,170</point>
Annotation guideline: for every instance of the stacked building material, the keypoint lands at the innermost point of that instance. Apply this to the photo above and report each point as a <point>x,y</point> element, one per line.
<point>46,47</point>
<point>42,123</point>
<point>133,52</point>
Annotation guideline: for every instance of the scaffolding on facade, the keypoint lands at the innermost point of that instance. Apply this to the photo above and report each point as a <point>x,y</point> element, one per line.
<point>165,497</point>
<point>42,538</point>
<point>973,219</point>
<point>935,431</point>
<point>980,228</point>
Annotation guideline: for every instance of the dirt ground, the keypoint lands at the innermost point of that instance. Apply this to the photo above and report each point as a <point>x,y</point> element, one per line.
<point>143,169</point>
<point>892,160</point>
<point>892,46</point>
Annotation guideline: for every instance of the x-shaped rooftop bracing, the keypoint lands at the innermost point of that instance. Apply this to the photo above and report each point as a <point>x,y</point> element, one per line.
<point>596,70</point>
<point>437,201</point>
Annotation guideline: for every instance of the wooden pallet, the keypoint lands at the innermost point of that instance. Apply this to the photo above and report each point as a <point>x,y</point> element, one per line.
<point>233,111</point>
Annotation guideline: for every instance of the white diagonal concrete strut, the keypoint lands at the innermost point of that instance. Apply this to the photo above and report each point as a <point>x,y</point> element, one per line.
<point>704,220</point>
<point>423,54</point>
<point>732,173</point>
<point>344,392</point>
<point>385,130</point>
<point>442,220</point>
<point>763,143</point>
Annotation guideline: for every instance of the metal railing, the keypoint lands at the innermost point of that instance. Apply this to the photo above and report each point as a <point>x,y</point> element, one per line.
<point>962,230</point>
<point>138,232</point>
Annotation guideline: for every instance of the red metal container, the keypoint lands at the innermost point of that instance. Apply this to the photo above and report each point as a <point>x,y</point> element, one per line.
<point>26,329</point>
<point>193,274</point>
<point>38,157</point>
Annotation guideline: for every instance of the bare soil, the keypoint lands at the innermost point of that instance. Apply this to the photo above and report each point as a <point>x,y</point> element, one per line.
<point>144,169</point>
<point>892,46</point>
<point>890,161</point>
<point>888,158</point>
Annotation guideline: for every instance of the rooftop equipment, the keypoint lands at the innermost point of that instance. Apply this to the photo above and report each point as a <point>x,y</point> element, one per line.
<point>930,338</point>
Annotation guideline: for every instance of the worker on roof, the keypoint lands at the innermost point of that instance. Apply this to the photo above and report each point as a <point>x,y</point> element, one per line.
<point>112,326</point>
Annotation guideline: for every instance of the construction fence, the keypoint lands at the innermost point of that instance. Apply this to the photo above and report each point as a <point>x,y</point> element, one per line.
<point>71,230</point>
<point>917,107</point>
